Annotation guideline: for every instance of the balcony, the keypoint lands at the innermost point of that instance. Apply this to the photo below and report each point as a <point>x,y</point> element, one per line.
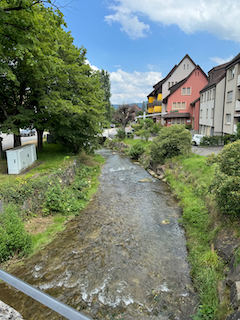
<point>237,106</point>
<point>157,103</point>
<point>238,81</point>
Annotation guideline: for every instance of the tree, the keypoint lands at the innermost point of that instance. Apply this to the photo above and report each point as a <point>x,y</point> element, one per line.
<point>170,142</point>
<point>124,114</point>
<point>106,86</point>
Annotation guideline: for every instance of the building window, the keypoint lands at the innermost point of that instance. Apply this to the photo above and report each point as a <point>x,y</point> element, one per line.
<point>184,67</point>
<point>201,97</point>
<point>173,121</point>
<point>186,91</point>
<point>207,114</point>
<point>169,84</point>
<point>229,96</point>
<point>204,96</point>
<point>201,113</point>
<point>172,83</point>
<point>213,94</point>
<point>175,82</point>
<point>187,66</point>
<point>231,73</point>
<point>178,105</point>
<point>212,113</point>
<point>228,118</point>
<point>210,95</point>
<point>182,120</point>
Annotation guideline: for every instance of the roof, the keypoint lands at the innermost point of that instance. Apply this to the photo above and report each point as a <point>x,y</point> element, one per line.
<point>160,83</point>
<point>193,103</point>
<point>234,61</point>
<point>177,115</point>
<point>218,73</point>
<point>179,84</point>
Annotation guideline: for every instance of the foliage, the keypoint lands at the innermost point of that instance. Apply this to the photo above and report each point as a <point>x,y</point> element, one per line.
<point>136,151</point>
<point>121,134</point>
<point>238,131</point>
<point>217,140</point>
<point>13,237</point>
<point>124,114</point>
<point>146,128</point>
<point>226,183</point>
<point>106,86</point>
<point>170,142</point>
<point>145,134</point>
<point>190,182</point>
<point>188,126</point>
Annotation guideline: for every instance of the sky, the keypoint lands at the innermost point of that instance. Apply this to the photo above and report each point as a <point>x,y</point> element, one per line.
<point>139,41</point>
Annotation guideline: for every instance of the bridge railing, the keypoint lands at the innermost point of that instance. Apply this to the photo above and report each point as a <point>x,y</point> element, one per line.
<point>52,303</point>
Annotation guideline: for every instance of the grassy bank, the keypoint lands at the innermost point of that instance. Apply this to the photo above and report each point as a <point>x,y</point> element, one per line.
<point>42,201</point>
<point>189,181</point>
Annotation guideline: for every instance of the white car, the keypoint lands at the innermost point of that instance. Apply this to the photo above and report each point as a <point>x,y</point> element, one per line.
<point>196,139</point>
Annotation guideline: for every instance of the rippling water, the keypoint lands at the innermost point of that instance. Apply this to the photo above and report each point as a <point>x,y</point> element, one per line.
<point>117,260</point>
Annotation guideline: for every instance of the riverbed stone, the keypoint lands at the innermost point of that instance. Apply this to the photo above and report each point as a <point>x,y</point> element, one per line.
<point>233,273</point>
<point>235,295</point>
<point>6,312</point>
<point>234,316</point>
<point>145,180</point>
<point>226,243</point>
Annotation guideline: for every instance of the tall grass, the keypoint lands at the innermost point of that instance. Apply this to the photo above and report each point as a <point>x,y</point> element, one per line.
<point>189,181</point>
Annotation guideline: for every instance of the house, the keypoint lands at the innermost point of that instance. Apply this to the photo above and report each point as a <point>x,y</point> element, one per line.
<point>162,88</point>
<point>212,102</point>
<point>231,114</point>
<point>183,100</point>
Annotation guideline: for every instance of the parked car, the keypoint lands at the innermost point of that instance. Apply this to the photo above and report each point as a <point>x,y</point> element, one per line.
<point>27,132</point>
<point>196,139</point>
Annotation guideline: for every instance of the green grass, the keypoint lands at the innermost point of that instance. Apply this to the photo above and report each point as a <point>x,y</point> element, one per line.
<point>189,182</point>
<point>132,142</point>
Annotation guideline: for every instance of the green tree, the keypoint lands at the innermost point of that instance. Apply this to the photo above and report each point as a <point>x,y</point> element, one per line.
<point>171,141</point>
<point>106,86</point>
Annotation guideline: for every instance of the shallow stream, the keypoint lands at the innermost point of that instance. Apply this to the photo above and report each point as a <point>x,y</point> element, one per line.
<point>117,260</point>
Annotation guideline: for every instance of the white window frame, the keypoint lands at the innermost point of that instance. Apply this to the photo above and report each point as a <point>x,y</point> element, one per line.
<point>201,113</point>
<point>213,96</point>
<point>228,118</point>
<point>212,113</point>
<point>230,96</point>
<point>206,113</point>
<point>186,91</point>
<point>231,73</point>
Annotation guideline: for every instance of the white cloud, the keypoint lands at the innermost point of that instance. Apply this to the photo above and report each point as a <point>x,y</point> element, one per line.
<point>221,60</point>
<point>132,87</point>
<point>219,17</point>
<point>92,66</point>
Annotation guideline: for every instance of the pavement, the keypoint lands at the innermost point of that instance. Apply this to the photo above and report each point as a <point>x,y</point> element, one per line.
<point>204,151</point>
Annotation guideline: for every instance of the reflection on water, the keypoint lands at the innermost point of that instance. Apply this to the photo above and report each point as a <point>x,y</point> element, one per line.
<point>117,260</point>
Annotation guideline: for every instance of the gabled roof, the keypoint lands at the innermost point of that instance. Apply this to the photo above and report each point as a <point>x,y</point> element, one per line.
<point>233,62</point>
<point>220,74</point>
<point>179,84</point>
<point>161,82</point>
<point>193,103</point>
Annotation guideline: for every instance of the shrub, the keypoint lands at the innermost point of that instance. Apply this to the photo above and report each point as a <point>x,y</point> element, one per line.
<point>13,237</point>
<point>188,126</point>
<point>121,134</point>
<point>217,140</point>
<point>155,129</point>
<point>136,151</point>
<point>226,184</point>
<point>170,142</point>
<point>145,134</point>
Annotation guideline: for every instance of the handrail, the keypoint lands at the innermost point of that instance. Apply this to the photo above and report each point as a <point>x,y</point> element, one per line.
<point>52,303</point>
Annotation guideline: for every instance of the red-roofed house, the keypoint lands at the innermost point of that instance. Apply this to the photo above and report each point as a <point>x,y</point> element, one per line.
<point>183,100</point>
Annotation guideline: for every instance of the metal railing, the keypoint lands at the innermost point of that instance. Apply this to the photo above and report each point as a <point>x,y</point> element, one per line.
<point>44,298</point>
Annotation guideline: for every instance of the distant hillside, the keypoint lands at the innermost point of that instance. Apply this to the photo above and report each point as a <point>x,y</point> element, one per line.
<point>139,104</point>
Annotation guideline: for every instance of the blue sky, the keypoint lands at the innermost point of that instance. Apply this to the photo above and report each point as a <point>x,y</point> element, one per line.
<point>139,41</point>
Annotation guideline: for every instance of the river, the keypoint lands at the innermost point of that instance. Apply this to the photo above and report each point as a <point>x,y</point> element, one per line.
<point>117,260</point>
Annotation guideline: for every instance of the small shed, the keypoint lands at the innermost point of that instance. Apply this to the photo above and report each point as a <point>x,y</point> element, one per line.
<point>18,159</point>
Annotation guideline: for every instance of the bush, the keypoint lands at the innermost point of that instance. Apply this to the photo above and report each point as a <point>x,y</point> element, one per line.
<point>136,151</point>
<point>13,237</point>
<point>226,184</point>
<point>170,142</point>
<point>188,126</point>
<point>121,134</point>
<point>217,140</point>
